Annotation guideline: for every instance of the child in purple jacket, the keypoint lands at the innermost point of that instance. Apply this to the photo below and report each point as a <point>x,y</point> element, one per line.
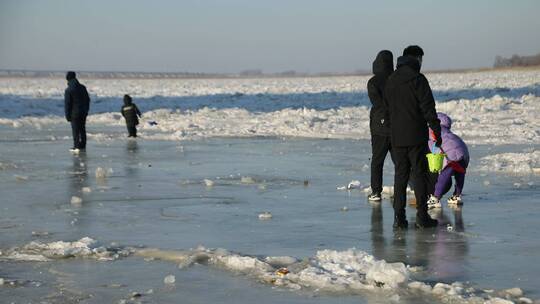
<point>455,164</point>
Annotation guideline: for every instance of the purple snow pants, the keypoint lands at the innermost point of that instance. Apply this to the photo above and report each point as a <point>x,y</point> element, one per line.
<point>444,181</point>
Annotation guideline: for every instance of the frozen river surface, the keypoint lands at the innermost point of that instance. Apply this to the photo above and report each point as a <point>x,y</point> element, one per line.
<point>156,200</point>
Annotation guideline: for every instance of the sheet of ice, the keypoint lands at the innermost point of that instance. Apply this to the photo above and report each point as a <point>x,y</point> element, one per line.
<point>157,197</point>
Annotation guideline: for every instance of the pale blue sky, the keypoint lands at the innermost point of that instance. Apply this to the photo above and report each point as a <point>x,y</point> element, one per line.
<point>272,35</point>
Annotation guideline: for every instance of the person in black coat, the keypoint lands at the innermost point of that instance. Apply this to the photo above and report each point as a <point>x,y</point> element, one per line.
<point>379,124</point>
<point>411,107</point>
<point>76,105</point>
<point>131,113</point>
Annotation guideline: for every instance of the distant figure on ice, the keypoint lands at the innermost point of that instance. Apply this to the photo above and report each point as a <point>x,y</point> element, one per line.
<point>455,164</point>
<point>379,123</point>
<point>411,107</point>
<point>131,113</point>
<point>76,104</point>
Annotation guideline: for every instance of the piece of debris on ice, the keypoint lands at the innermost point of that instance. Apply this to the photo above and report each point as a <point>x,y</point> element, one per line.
<point>76,201</point>
<point>352,185</point>
<point>86,189</point>
<point>247,180</point>
<point>208,182</point>
<point>265,215</point>
<point>21,178</point>
<point>170,279</point>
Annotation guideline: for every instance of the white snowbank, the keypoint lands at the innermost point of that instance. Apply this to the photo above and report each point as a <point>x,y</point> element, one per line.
<point>349,271</point>
<point>515,163</point>
<point>488,107</point>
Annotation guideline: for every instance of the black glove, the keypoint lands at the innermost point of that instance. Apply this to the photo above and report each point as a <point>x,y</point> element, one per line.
<point>438,141</point>
<point>437,132</point>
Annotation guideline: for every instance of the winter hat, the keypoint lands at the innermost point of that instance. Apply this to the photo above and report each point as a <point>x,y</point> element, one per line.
<point>127,99</point>
<point>70,75</point>
<point>413,50</point>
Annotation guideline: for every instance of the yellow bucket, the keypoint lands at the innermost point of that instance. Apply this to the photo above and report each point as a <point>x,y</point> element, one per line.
<point>435,161</point>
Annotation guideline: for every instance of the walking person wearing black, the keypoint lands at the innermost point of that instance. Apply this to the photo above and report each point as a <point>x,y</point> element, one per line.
<point>76,105</point>
<point>131,113</point>
<point>412,109</point>
<point>379,125</point>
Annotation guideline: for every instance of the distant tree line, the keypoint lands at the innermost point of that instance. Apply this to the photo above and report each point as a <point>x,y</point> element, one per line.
<point>516,61</point>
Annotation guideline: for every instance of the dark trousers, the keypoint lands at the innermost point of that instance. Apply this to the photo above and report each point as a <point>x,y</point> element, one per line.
<point>410,160</point>
<point>132,130</point>
<point>78,129</point>
<point>380,146</point>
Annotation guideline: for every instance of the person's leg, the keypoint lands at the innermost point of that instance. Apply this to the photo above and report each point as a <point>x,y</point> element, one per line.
<point>75,131</point>
<point>460,182</point>
<point>432,178</point>
<point>134,131</point>
<point>444,182</point>
<point>82,136</point>
<point>379,148</point>
<point>401,176</point>
<point>417,157</point>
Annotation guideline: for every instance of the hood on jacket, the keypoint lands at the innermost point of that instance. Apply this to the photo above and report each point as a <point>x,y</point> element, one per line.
<point>127,100</point>
<point>73,82</point>
<point>408,61</point>
<point>407,68</point>
<point>446,122</point>
<point>383,63</point>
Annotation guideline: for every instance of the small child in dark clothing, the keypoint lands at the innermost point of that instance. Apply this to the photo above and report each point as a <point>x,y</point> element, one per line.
<point>131,113</point>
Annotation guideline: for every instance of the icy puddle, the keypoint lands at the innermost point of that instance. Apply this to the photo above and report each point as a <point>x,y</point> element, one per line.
<point>127,221</point>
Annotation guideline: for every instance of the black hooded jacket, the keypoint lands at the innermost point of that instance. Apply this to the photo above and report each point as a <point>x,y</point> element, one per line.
<point>131,113</point>
<point>76,100</point>
<point>383,66</point>
<point>410,104</point>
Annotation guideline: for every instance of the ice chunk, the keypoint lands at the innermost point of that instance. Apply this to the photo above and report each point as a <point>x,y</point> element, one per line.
<point>355,184</point>
<point>265,215</point>
<point>389,274</point>
<point>498,301</point>
<point>514,292</point>
<point>85,247</point>
<point>208,183</point>
<point>280,261</point>
<point>170,279</point>
<point>21,178</point>
<point>247,180</point>
<point>76,201</point>
<point>86,189</point>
